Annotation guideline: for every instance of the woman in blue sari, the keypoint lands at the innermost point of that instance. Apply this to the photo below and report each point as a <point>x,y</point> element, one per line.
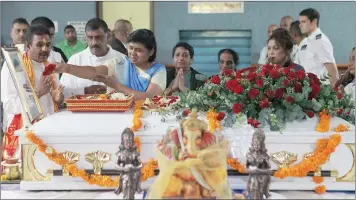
<point>135,74</point>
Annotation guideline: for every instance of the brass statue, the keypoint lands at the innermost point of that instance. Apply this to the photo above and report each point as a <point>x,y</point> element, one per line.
<point>258,167</point>
<point>129,164</point>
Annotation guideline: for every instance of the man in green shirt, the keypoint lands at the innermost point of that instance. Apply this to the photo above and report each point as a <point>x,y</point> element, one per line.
<point>71,45</point>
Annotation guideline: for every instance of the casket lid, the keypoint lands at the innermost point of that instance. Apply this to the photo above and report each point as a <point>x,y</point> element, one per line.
<point>66,123</point>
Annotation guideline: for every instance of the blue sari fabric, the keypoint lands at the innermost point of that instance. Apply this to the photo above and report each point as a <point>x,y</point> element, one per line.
<point>136,82</point>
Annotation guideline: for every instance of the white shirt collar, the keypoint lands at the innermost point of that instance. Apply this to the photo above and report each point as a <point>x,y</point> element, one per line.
<point>21,47</point>
<point>102,57</point>
<point>316,32</point>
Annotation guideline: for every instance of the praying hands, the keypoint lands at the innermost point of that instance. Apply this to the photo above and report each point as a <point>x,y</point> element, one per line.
<point>178,83</point>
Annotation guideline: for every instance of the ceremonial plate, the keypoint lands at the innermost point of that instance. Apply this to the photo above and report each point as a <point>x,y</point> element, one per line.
<point>98,103</point>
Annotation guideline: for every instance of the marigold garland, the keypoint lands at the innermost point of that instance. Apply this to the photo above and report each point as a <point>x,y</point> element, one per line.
<point>319,157</point>
<point>320,189</point>
<point>137,123</point>
<point>324,123</point>
<point>214,123</point>
<point>236,165</point>
<point>341,128</point>
<point>148,170</point>
<point>318,179</point>
<point>92,179</point>
<point>137,143</point>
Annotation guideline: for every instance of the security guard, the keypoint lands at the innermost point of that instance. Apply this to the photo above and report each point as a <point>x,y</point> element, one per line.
<point>316,51</point>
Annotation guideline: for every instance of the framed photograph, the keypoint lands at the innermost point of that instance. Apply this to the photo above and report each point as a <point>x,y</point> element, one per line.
<point>29,100</point>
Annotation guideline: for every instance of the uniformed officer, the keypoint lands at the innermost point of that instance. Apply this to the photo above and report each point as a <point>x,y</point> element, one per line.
<point>316,52</point>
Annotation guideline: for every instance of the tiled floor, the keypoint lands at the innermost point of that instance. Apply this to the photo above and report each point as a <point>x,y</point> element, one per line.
<point>13,192</point>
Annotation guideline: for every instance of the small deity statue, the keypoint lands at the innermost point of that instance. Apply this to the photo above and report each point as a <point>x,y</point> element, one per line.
<point>258,167</point>
<point>192,163</point>
<point>129,165</point>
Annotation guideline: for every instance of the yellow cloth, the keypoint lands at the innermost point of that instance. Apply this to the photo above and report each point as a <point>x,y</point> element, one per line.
<point>31,75</point>
<point>210,163</point>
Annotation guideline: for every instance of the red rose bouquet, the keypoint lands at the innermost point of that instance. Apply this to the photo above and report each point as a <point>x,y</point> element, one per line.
<point>270,95</point>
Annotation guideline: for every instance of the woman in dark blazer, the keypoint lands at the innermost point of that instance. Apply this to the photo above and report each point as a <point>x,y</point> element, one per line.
<point>182,76</point>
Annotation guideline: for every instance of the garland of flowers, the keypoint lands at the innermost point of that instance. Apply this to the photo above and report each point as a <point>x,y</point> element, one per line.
<point>320,189</point>
<point>236,165</point>
<point>319,157</point>
<point>137,123</point>
<point>341,128</point>
<point>148,170</point>
<point>92,179</point>
<point>324,123</point>
<point>212,118</point>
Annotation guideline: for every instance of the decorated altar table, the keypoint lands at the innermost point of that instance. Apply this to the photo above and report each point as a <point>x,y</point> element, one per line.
<point>82,133</point>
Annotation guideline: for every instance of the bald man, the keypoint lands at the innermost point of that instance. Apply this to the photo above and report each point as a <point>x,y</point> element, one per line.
<point>286,21</point>
<point>122,30</point>
<point>263,54</point>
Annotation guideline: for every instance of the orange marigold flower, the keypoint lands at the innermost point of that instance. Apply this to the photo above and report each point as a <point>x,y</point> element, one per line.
<point>320,189</point>
<point>318,179</point>
<point>341,128</point>
<point>102,96</point>
<point>137,143</point>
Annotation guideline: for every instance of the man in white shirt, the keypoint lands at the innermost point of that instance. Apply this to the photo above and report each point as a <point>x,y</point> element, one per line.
<point>263,54</point>
<point>17,34</point>
<point>46,87</point>
<point>97,52</point>
<point>316,56</point>
<point>298,38</point>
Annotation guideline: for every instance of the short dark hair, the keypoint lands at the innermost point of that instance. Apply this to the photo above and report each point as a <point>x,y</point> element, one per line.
<point>44,21</point>
<point>68,27</point>
<point>147,38</point>
<point>283,39</point>
<point>185,46</point>
<point>20,21</point>
<point>312,14</point>
<point>235,55</point>
<point>36,30</point>
<point>295,29</point>
<point>95,24</point>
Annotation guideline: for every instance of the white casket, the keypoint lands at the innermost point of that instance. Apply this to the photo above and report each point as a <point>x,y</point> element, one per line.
<point>88,132</point>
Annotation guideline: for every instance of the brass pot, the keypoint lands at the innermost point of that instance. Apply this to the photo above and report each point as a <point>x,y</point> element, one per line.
<point>12,172</point>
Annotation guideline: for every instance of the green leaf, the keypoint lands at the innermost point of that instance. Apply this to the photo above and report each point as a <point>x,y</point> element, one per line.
<point>316,105</point>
